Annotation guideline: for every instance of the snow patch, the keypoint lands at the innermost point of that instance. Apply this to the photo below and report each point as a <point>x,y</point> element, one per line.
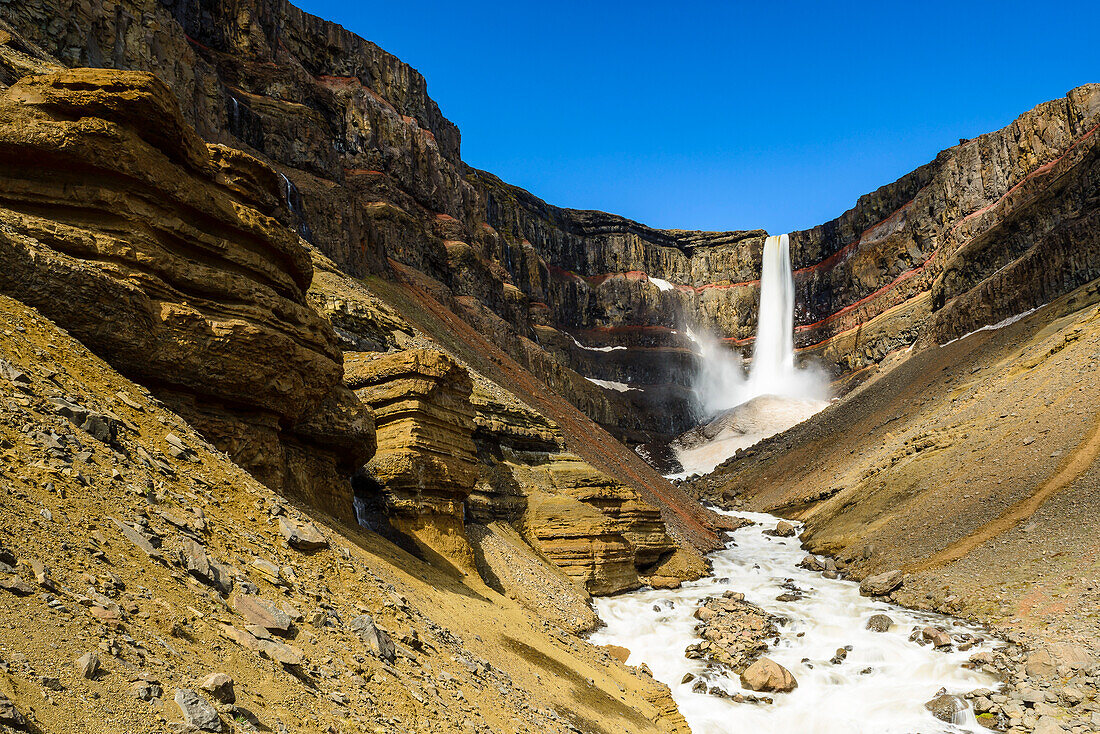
<point>593,349</point>
<point>999,325</point>
<point>612,385</point>
<point>663,285</point>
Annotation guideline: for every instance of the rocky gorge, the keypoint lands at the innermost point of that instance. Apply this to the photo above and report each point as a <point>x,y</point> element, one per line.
<point>310,426</point>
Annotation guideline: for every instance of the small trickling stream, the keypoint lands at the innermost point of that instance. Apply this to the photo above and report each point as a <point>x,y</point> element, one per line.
<point>657,626</point>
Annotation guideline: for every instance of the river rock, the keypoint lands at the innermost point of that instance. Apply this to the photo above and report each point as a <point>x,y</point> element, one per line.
<point>735,632</point>
<point>879,623</point>
<point>767,675</point>
<point>945,706</point>
<point>811,563</point>
<point>784,529</point>
<point>937,636</point>
<point>881,584</point>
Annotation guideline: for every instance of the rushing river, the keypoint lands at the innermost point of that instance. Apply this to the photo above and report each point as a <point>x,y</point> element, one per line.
<point>656,626</point>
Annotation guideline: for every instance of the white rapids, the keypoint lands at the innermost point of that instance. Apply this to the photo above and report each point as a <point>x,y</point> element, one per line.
<point>656,626</point>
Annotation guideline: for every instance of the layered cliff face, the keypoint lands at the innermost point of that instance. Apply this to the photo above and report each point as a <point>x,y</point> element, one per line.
<point>449,455</point>
<point>375,180</point>
<point>425,458</point>
<point>167,257</point>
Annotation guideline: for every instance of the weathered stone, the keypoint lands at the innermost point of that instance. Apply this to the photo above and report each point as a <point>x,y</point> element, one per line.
<point>281,652</point>
<point>811,563</point>
<point>936,636</point>
<point>9,715</point>
<point>15,585</point>
<point>87,665</point>
<point>241,637</point>
<point>197,711</point>
<point>194,558</point>
<point>376,640</point>
<point>201,352</point>
<point>767,675</point>
<point>784,529</point>
<point>303,536</point>
<point>143,543</point>
<point>262,613</point>
<point>220,686</point>
<point>881,584</point>
<point>144,690</point>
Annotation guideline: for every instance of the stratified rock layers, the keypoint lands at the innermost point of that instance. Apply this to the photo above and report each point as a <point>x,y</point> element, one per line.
<point>425,461</point>
<point>166,256</point>
<point>991,227</point>
<point>444,457</point>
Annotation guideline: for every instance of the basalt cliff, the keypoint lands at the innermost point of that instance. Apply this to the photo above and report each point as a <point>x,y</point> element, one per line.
<point>290,390</point>
<point>374,178</point>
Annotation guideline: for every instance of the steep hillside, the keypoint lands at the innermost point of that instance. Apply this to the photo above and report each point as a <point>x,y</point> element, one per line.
<point>126,536</point>
<point>971,466</point>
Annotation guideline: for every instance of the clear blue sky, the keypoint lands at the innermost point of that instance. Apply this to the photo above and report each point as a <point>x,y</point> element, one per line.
<point>726,115</point>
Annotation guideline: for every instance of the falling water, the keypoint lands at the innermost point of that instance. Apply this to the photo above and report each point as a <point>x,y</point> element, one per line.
<point>773,352</point>
<point>294,203</point>
<point>721,382</point>
<point>738,409</point>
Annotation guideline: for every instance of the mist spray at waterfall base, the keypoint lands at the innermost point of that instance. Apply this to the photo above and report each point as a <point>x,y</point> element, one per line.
<point>741,409</point>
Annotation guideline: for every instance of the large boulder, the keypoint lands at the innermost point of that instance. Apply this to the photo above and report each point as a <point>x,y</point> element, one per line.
<point>881,584</point>
<point>946,707</point>
<point>769,676</point>
<point>784,529</point>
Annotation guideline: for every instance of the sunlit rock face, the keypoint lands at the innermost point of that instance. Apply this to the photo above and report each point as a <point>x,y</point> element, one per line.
<point>167,257</point>
<point>425,463</point>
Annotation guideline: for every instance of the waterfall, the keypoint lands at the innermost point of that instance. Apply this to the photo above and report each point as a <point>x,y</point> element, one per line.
<point>721,382</point>
<point>773,352</point>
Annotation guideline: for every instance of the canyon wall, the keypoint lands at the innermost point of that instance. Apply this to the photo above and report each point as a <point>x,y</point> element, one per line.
<point>175,260</point>
<point>374,176</point>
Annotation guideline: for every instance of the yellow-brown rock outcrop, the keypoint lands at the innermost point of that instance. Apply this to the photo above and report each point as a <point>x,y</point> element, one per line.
<point>168,257</point>
<point>425,463</point>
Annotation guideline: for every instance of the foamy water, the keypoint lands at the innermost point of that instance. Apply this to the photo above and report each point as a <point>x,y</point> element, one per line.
<point>656,626</point>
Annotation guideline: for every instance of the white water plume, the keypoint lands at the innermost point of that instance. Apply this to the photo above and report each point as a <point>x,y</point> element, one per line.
<point>721,382</point>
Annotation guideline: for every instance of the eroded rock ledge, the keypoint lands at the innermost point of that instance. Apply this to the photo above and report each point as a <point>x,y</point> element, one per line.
<point>167,256</point>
